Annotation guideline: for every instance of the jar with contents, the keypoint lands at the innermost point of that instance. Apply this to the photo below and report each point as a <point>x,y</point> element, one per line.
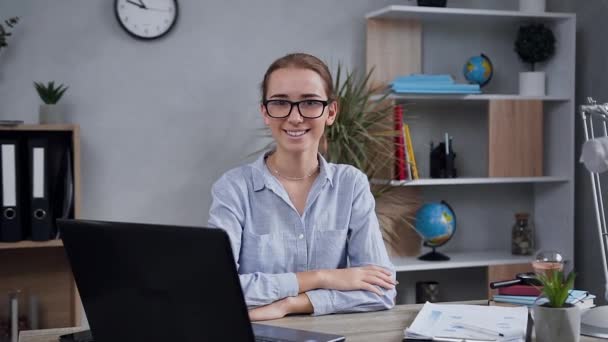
<point>522,236</point>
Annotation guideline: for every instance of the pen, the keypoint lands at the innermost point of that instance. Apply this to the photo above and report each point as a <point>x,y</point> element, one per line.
<point>478,329</point>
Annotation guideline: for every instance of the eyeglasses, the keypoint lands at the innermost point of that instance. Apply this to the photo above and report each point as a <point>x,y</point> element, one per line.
<point>310,109</point>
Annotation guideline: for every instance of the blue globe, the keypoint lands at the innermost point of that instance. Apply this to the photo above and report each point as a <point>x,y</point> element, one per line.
<point>479,70</point>
<point>436,224</point>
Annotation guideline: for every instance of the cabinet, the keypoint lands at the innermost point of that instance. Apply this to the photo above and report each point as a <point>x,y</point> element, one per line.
<point>42,268</point>
<point>409,39</point>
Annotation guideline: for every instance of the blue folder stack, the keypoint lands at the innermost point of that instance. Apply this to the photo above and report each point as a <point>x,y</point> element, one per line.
<point>431,84</point>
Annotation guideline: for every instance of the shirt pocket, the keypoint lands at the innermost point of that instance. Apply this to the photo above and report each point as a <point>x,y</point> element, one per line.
<point>326,222</point>
<point>262,253</point>
<point>329,250</point>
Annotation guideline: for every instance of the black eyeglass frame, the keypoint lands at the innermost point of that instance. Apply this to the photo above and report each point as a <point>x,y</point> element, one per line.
<point>325,103</point>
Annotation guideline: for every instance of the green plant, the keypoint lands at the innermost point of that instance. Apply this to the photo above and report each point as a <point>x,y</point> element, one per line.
<point>48,93</point>
<point>363,130</point>
<point>535,43</point>
<point>4,33</point>
<point>556,287</point>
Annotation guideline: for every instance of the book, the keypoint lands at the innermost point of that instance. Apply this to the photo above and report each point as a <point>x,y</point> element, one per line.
<point>519,290</point>
<point>582,299</point>
<point>400,170</point>
<point>410,152</point>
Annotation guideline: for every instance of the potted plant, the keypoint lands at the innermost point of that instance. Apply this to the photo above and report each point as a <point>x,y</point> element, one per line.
<point>50,95</point>
<point>556,320</point>
<point>535,43</point>
<point>363,136</point>
<point>5,33</point>
<point>532,6</point>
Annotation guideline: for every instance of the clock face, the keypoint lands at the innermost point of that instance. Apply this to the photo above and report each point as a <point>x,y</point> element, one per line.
<point>146,19</point>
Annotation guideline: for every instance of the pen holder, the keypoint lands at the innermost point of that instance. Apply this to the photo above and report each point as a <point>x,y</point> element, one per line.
<point>442,163</point>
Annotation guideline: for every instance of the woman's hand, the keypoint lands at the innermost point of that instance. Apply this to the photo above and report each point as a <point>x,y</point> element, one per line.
<point>358,278</point>
<point>275,310</point>
<point>290,305</point>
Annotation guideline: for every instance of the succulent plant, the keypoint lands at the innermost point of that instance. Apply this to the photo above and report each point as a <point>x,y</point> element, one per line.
<point>49,93</point>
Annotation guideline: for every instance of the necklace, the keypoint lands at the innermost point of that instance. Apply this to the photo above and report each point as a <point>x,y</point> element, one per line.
<point>276,172</point>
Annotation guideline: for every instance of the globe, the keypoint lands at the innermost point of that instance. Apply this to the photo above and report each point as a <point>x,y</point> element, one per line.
<point>436,224</point>
<point>479,70</point>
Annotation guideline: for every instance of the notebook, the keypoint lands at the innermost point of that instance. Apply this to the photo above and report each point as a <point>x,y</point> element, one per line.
<point>448,322</point>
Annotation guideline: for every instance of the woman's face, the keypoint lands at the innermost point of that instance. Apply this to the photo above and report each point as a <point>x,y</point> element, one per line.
<point>296,133</point>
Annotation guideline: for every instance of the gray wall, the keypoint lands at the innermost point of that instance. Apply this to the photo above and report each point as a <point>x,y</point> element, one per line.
<point>162,120</point>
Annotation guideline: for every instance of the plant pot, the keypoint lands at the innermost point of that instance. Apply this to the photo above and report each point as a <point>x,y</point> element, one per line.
<point>532,5</point>
<point>52,114</point>
<point>557,324</point>
<point>532,83</point>
<point>432,3</point>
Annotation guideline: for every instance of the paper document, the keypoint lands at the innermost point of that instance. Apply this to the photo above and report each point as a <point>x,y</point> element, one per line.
<point>461,322</point>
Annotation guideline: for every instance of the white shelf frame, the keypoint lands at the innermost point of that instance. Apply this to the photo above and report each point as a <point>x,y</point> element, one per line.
<point>471,181</point>
<point>439,13</point>
<point>469,97</point>
<point>460,260</point>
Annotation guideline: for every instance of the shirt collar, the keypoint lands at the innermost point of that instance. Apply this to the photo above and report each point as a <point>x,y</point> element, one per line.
<point>262,176</point>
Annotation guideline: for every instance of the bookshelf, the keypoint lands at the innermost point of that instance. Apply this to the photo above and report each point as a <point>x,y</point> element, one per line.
<point>403,39</point>
<point>42,268</point>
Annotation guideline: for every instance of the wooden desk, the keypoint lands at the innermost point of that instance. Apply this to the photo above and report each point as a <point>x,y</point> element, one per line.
<point>381,326</point>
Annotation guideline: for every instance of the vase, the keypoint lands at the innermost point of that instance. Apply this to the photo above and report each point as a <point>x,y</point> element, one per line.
<point>532,83</point>
<point>52,114</point>
<point>557,324</point>
<point>532,5</point>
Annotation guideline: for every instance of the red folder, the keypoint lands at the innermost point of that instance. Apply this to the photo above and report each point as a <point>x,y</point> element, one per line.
<point>400,169</point>
<point>519,290</point>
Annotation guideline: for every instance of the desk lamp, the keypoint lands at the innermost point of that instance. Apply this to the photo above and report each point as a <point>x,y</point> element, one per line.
<point>594,322</point>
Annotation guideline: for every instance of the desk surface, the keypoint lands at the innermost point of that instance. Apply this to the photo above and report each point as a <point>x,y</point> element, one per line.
<point>362,327</point>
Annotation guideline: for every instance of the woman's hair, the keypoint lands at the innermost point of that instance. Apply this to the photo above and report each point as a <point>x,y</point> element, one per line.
<point>300,61</point>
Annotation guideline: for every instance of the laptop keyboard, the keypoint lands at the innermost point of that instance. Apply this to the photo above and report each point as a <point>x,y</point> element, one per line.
<point>269,339</point>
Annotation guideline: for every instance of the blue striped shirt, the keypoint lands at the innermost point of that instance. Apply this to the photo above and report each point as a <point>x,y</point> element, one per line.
<point>271,241</point>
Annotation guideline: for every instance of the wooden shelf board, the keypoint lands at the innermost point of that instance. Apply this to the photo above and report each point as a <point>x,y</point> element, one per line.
<point>426,14</point>
<point>31,244</point>
<point>460,260</point>
<point>45,127</point>
<point>469,181</point>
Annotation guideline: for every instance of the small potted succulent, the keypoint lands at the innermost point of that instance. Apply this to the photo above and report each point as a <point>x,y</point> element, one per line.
<point>50,95</point>
<point>556,320</point>
<point>535,43</point>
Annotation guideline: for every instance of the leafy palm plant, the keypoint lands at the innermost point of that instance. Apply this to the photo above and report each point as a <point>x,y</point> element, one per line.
<point>556,287</point>
<point>5,33</point>
<point>49,93</point>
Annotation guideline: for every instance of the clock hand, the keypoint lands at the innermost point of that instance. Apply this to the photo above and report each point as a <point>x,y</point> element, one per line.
<point>157,9</point>
<point>142,4</point>
<point>136,4</point>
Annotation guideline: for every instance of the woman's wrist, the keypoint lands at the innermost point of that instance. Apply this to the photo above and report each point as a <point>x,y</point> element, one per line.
<point>297,305</point>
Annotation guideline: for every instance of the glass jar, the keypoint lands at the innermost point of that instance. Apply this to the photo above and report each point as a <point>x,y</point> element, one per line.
<point>522,235</point>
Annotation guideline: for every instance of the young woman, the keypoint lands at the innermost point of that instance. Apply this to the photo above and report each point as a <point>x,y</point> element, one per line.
<point>304,232</point>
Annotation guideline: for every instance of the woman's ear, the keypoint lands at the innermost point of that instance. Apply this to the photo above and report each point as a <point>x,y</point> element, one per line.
<point>332,113</point>
<point>264,115</point>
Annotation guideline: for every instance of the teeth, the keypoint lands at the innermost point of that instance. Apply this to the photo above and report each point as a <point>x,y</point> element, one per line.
<point>295,133</point>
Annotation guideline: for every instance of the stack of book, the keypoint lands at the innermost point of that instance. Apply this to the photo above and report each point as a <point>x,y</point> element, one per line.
<point>530,295</point>
<point>405,160</point>
<point>431,84</point>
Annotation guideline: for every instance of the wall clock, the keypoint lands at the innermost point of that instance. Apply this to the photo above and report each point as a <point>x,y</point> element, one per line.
<point>146,19</point>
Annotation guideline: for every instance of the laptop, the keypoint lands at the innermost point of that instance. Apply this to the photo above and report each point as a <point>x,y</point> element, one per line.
<point>144,282</point>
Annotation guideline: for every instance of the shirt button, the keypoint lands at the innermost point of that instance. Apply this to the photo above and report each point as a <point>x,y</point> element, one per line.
<point>301,236</point>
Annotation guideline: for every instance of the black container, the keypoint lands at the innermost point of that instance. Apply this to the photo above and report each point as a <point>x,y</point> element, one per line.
<point>427,291</point>
<point>432,3</point>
